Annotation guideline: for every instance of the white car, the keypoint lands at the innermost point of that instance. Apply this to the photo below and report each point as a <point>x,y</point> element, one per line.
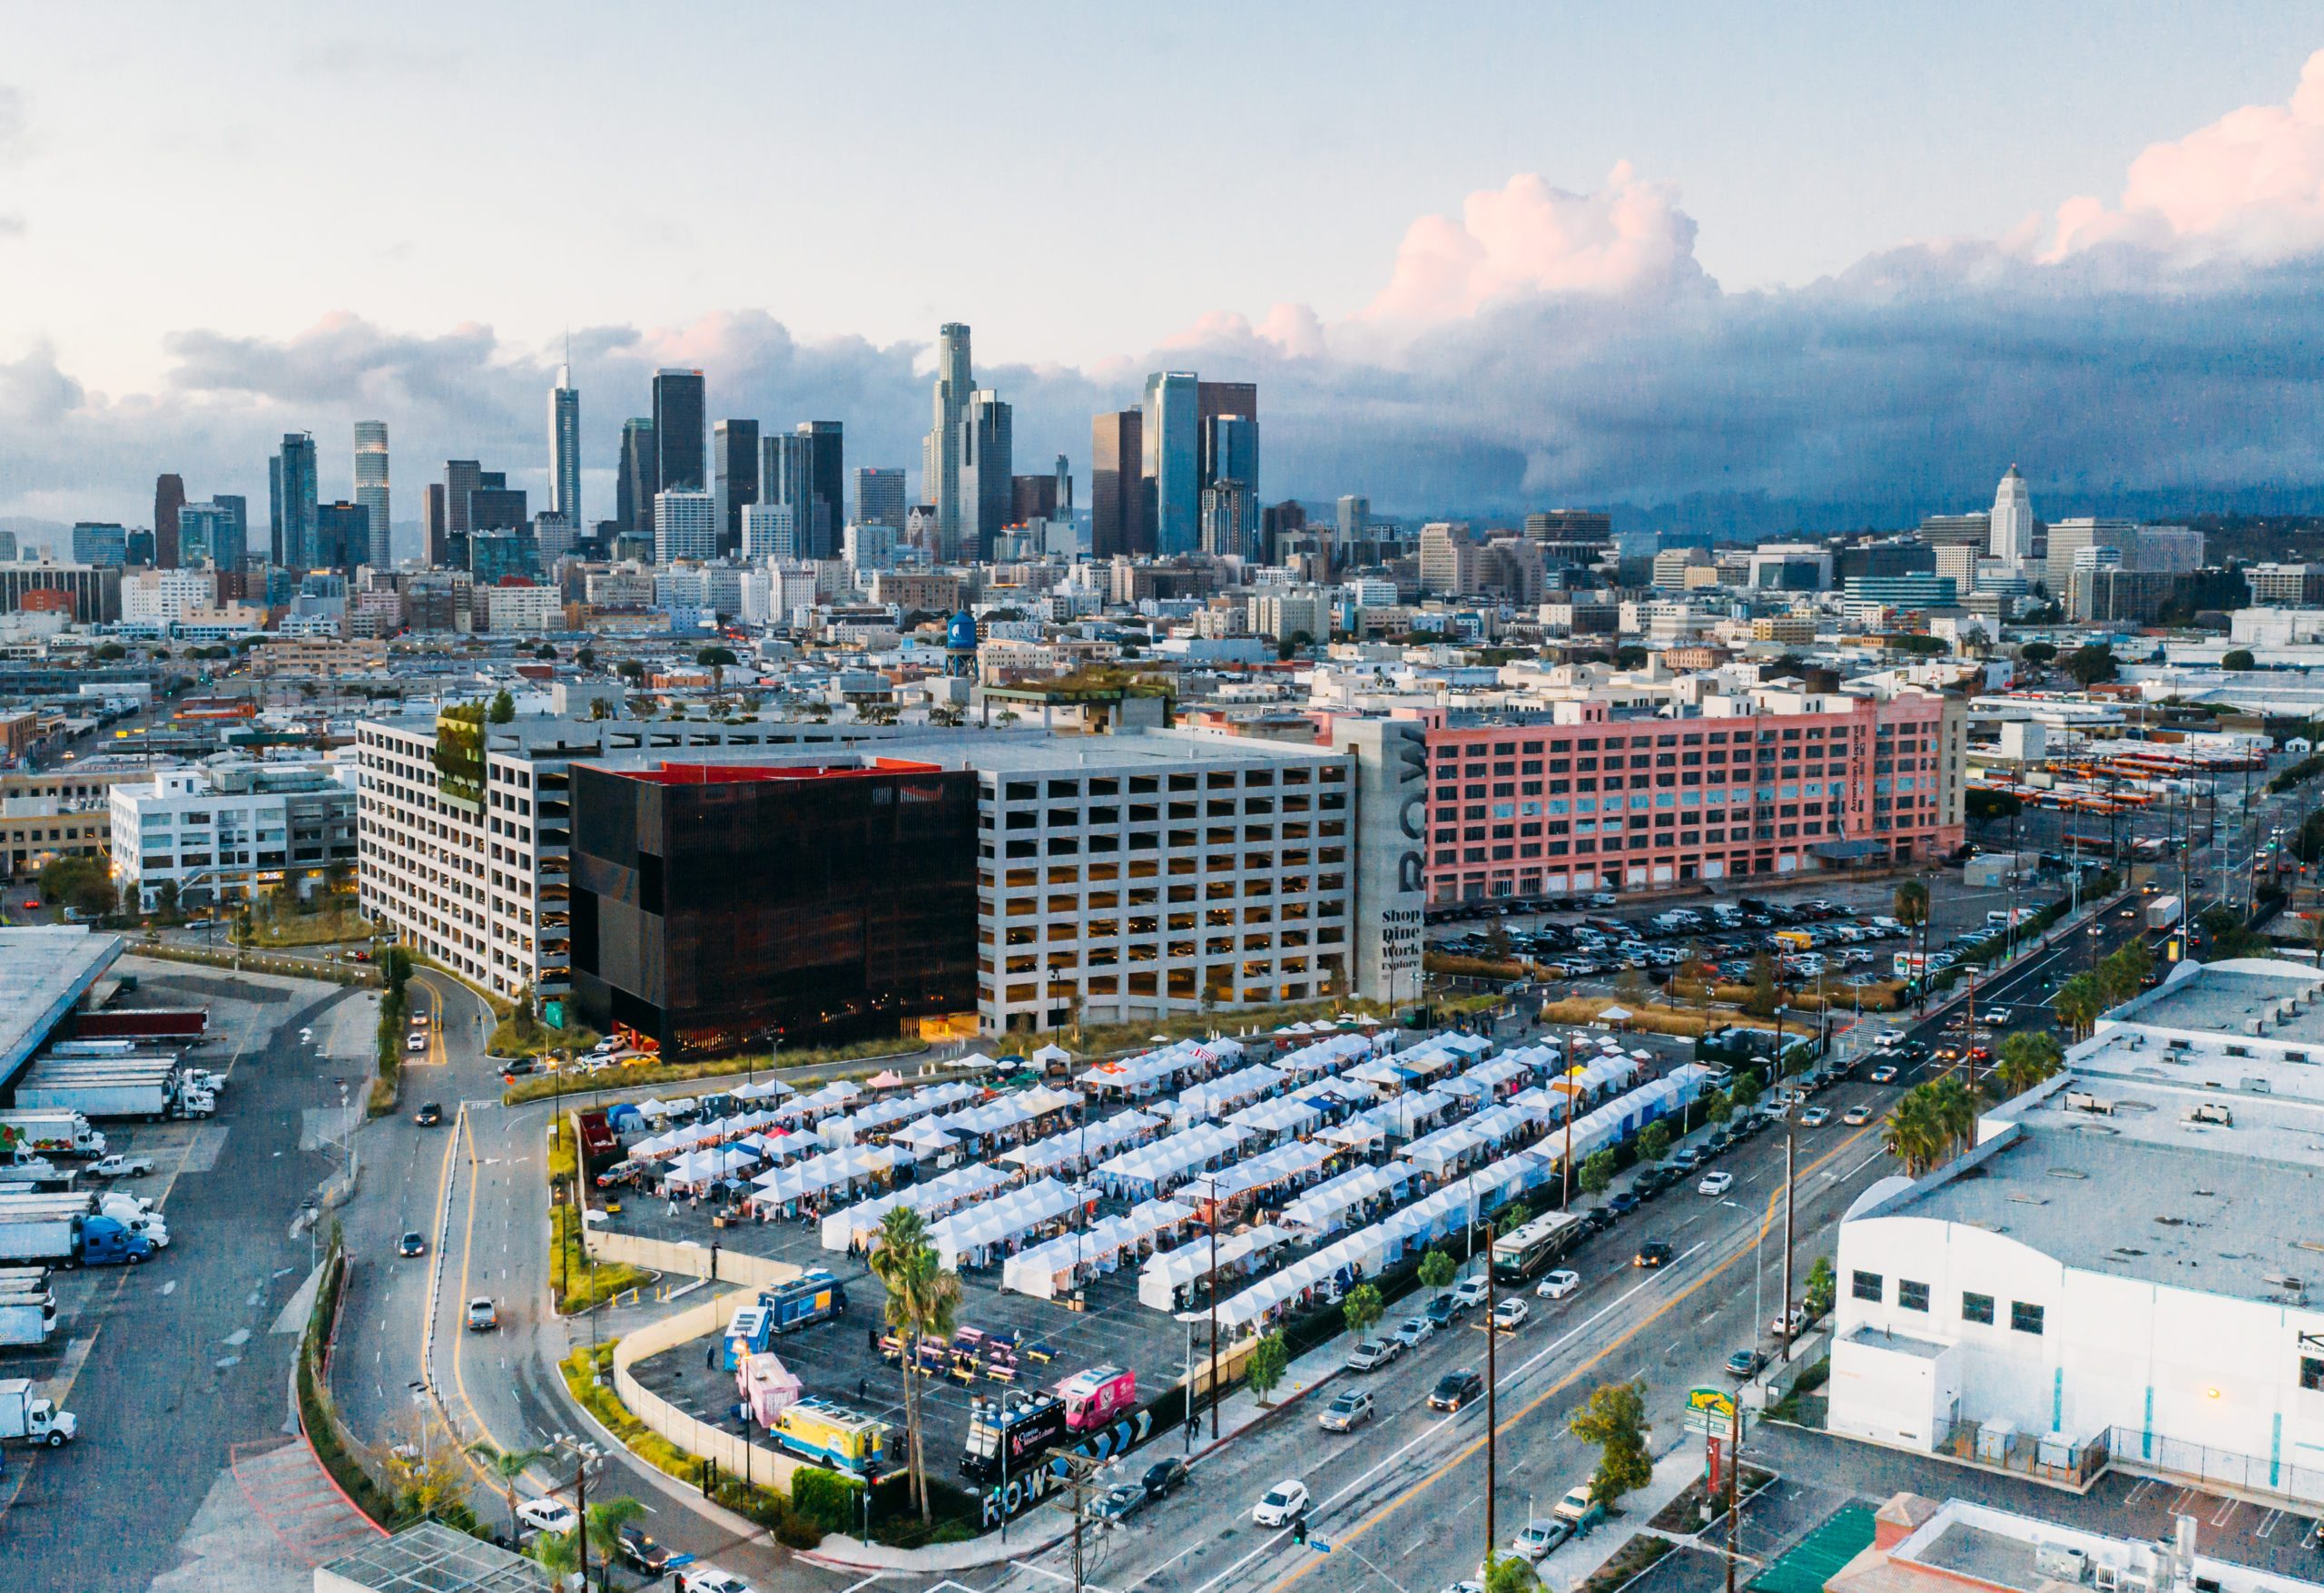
<point>547,1515</point>
<point>1282,1504</point>
<point>1558,1284</point>
<point>711,1580</point>
<point>1716,1184</point>
<point>416,1043</point>
<point>1889,1036</point>
<point>1469,1293</point>
<point>1815,1116</point>
<point>1512,1314</point>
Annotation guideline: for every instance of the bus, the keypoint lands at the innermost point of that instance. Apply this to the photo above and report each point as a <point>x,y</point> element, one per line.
<point>1524,1252</point>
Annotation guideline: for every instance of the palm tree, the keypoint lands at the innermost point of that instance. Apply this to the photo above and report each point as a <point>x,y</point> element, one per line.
<point>607,1518</point>
<point>2078,1004</point>
<point>1955,1111</point>
<point>924,1298</point>
<point>2027,1058</point>
<point>508,1465</point>
<point>1911,1134</point>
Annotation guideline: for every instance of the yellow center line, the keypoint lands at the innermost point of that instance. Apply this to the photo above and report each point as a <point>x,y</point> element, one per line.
<point>460,1340</point>
<point>1567,1382</point>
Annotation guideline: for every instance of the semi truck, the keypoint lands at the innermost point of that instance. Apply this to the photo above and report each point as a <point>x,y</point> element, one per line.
<point>186,1025</point>
<point>2162,913</point>
<point>32,1416</point>
<point>50,1133</point>
<point>28,1306</point>
<point>152,1088</point>
<point>76,1239</point>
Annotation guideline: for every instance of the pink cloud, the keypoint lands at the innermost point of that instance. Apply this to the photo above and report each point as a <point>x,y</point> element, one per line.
<point>1529,238</point>
<point>2250,184</point>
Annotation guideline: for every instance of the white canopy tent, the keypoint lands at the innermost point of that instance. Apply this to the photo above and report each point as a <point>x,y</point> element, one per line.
<point>1282,1165</point>
<point>971,1238</point>
<point>1007,1112</point>
<point>1222,1095</point>
<point>832,1097</point>
<point>819,1175</point>
<point>938,1196</point>
<point>1151,1170</point>
<point>1149,1071</point>
<point>1095,1140</point>
<point>1324,1209</point>
<point>1054,1266</point>
<point>1272,1119</point>
<point>1159,1281</point>
<point>1401,1115</point>
<point>883,1116</point>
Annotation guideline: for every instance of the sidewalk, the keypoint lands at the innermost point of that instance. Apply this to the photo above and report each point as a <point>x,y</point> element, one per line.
<point>1577,1559</point>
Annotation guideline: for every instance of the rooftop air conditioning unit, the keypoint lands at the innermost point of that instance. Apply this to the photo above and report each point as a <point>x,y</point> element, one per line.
<point>2060,1562</point>
<point>2079,1100</point>
<point>2257,1026</point>
<point>2212,1112</point>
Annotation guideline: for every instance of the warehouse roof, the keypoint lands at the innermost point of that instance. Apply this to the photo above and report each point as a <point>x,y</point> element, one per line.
<point>44,970</point>
<point>431,1559</point>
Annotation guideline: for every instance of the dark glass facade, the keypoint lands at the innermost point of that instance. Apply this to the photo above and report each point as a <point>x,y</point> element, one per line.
<point>716,905</point>
<point>680,436</point>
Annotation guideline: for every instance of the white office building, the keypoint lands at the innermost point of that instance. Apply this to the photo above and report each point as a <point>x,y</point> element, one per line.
<point>686,525</point>
<point>2127,1268</point>
<point>157,601</point>
<point>2013,522</point>
<point>770,531</point>
<point>225,833</point>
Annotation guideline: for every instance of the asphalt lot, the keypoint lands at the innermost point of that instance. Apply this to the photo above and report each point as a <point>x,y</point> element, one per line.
<point>174,1366</point>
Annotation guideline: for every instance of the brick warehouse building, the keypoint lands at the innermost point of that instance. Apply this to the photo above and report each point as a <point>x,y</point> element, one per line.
<point>1776,783</point>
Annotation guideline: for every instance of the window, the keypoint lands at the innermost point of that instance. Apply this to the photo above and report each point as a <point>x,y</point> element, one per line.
<point>1977,1308</point>
<point>1865,1286</point>
<point>2024,1318</point>
<point>1912,1296</point>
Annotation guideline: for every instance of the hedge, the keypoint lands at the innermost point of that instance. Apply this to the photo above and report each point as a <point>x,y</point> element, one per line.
<point>318,1419</point>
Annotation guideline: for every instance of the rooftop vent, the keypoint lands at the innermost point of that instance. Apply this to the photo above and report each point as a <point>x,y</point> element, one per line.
<point>2079,1100</point>
<point>2216,1112</point>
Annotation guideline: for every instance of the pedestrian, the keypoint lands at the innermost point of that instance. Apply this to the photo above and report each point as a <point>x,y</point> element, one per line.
<point>710,1357</point>
<point>871,1339</point>
<point>862,1390</point>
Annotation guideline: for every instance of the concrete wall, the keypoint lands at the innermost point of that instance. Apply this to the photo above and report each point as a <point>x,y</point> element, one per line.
<point>692,1261</point>
<point>735,1455</point>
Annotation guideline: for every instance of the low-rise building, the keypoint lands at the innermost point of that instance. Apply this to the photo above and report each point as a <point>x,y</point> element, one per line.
<point>225,833</point>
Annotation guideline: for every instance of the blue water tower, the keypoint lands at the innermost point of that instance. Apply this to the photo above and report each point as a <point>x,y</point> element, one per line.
<point>961,644</point>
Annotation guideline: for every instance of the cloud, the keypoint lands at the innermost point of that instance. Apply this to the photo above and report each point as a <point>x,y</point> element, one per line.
<point>16,138</point>
<point>2251,185</point>
<point>1527,237</point>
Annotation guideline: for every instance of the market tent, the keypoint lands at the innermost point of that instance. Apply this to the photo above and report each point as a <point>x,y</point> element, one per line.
<point>924,1138</point>
<point>1007,1112</point>
<point>1222,1095</point>
<point>764,1089</point>
<point>1155,1169</point>
<point>1149,1071</point>
<point>818,1175</point>
<point>1325,1055</point>
<point>832,1098</point>
<point>969,1237</point>
<point>1072,1145</point>
<point>936,1198</point>
<point>1272,1119</point>
<point>1054,1266</point>
<point>1324,1209</point>
<point>1401,1117</point>
<point>1280,1165</point>
<point>880,1117</point>
<point>1049,1054</point>
<point>1159,1281</point>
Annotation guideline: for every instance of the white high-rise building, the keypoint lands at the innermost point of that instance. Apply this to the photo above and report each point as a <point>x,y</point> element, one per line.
<point>2013,521</point>
<point>770,531</point>
<point>686,525</point>
<point>940,454</point>
<point>371,486</point>
<point>564,451</point>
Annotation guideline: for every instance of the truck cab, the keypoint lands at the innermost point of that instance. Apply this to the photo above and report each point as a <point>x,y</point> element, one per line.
<point>105,1242</point>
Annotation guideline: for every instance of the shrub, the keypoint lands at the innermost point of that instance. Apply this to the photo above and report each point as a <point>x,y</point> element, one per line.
<point>831,1502</point>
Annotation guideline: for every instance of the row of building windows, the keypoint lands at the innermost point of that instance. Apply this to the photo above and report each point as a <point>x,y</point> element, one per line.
<point>2024,1318</point>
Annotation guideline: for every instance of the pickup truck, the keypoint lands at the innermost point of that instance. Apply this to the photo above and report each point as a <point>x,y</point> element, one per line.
<point>121,1166</point>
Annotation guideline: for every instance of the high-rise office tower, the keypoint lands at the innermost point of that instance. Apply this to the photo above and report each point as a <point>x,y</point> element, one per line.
<point>878,497</point>
<point>679,434</point>
<point>686,525</point>
<point>639,478</point>
<point>2013,522</point>
<point>940,455</point>
<point>827,444</point>
<point>291,497</point>
<point>371,488</point>
<point>1213,399</point>
<point>1230,499</point>
<point>1230,448</point>
<point>1173,459</point>
<point>169,497</point>
<point>770,531</point>
<point>1032,498</point>
<point>238,515</point>
<point>565,449</point>
<point>1117,506</point>
<point>435,526</point>
<point>494,505</point>
<point>1355,518</point>
<point>208,538</point>
<point>987,450</point>
<point>100,542</point>
<point>342,537</point>
<point>733,476</point>
<point>461,477</point>
<point>787,481</point>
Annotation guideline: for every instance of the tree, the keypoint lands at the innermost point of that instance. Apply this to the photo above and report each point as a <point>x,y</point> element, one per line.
<point>587,658</point>
<point>1510,1573</point>
<point>1919,646</point>
<point>506,1466</point>
<point>1744,1091</point>
<point>422,1467</point>
<point>80,883</point>
<point>630,669</point>
<point>1364,1308</point>
<point>1436,1269</point>
<point>1629,658</point>
<point>1654,1141</point>
<point>1614,1419</point>
<point>1911,903</point>
<point>717,661</point>
<point>546,650</point>
<point>1270,1359</point>
<point>503,709</point>
<point>1511,1217</point>
<point>2091,663</point>
<point>1823,1287</point>
<point>2037,654</point>
<point>1912,1134</point>
<point>1597,1171</point>
<point>2239,658</point>
<point>924,1296</point>
<point>2078,1004</point>
<point>1765,993</point>
<point>1718,1107</point>
<point>2120,976</point>
<point>2027,1058</point>
<point>1983,805</point>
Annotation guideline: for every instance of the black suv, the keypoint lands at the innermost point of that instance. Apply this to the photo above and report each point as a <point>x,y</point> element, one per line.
<point>1454,1389</point>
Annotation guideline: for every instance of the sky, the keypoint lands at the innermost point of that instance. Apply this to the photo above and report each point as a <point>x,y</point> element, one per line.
<point>1479,258</point>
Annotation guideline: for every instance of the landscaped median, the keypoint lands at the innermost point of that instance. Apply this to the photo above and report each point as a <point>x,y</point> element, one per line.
<point>844,1061</point>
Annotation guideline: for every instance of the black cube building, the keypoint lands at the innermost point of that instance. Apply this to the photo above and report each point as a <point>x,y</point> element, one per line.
<point>718,906</point>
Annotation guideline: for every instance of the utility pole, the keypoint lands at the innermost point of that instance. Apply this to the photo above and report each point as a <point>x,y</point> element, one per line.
<point>1493,1376</point>
<point>1213,1379</point>
<point>1789,1185</point>
<point>1734,1465</point>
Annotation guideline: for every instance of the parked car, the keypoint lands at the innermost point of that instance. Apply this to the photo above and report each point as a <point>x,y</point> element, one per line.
<point>1558,1284</point>
<point>1512,1314</point>
<point>546,1515</point>
<point>1119,1501</point>
<point>1455,1389</point>
<point>1580,1506</point>
<point>1745,1363</point>
<point>1718,1183</point>
<point>1469,1292</point>
<point>1374,1353</point>
<point>1347,1413</point>
<point>1797,1323</point>
<point>1280,1504</point>
<point>1623,1205</point>
<point>711,1580</point>
<point>1540,1539</point>
<point>1442,1310</point>
<point>1414,1331</point>
<point>1654,1253</point>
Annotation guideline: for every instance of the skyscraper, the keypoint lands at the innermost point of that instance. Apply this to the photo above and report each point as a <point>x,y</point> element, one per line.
<point>734,476</point>
<point>827,483</point>
<point>1117,518</point>
<point>878,497</point>
<point>237,552</point>
<point>290,490</point>
<point>461,477</point>
<point>100,542</point>
<point>639,478</point>
<point>342,538</point>
<point>940,455</point>
<point>1213,399</point>
<point>169,497</point>
<point>371,489</point>
<point>1355,517</point>
<point>1172,460</point>
<point>208,537</point>
<point>787,481</point>
<point>565,449</point>
<point>1231,451</point>
<point>686,525</point>
<point>986,451</point>
<point>435,526</point>
<point>678,436</point>
<point>2013,522</point>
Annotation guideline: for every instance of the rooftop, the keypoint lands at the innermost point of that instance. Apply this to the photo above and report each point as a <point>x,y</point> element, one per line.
<point>44,969</point>
<point>1998,1548</point>
<point>432,1558</point>
<point>2226,998</point>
